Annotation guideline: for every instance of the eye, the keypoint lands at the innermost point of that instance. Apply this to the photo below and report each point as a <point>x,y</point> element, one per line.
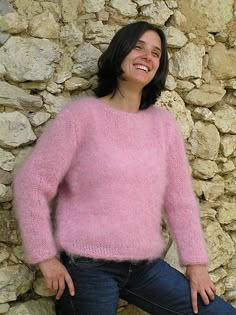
<point>138,47</point>
<point>156,54</point>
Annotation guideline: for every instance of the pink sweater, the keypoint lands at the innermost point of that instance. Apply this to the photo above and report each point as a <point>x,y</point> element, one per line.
<point>113,171</point>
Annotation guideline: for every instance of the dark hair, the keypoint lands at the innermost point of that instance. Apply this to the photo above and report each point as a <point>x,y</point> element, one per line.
<point>109,63</point>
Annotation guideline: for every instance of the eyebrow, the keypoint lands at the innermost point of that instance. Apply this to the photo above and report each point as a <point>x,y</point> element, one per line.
<point>143,42</point>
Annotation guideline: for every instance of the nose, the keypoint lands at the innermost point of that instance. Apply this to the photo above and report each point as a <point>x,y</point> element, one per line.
<point>147,54</point>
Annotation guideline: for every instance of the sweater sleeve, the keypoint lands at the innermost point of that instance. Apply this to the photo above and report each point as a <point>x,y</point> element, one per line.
<point>36,183</point>
<point>181,206</point>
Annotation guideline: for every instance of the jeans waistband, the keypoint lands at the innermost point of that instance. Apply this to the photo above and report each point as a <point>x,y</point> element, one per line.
<point>66,256</point>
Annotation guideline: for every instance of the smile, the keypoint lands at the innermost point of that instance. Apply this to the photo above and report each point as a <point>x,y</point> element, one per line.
<point>141,67</point>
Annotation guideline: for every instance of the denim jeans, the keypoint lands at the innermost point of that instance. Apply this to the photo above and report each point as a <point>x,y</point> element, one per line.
<point>154,286</point>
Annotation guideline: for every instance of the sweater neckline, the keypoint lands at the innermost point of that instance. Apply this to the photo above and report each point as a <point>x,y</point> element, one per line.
<point>105,106</point>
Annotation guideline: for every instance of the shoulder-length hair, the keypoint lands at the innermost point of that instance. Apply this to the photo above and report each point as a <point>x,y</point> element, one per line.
<point>109,63</point>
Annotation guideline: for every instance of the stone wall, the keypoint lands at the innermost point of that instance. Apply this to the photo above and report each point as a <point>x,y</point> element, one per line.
<point>48,55</point>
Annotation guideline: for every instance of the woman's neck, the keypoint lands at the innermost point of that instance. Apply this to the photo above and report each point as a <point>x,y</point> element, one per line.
<point>125,100</point>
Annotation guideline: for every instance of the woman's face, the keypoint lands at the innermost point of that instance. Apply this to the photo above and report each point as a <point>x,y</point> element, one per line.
<point>142,63</point>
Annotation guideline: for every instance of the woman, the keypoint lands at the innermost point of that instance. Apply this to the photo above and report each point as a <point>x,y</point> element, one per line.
<point>114,160</point>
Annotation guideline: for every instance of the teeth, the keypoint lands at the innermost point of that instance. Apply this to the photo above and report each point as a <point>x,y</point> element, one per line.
<point>142,68</point>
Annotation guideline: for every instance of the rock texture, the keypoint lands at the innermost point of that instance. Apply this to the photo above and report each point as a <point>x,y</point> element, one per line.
<point>15,280</point>
<point>48,57</point>
<point>222,62</point>
<point>12,96</point>
<point>15,130</point>
<point>205,140</point>
<point>86,57</point>
<point>41,53</point>
<point>187,62</point>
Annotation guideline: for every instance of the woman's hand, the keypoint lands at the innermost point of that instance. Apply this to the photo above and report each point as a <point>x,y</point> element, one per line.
<point>56,275</point>
<point>200,283</point>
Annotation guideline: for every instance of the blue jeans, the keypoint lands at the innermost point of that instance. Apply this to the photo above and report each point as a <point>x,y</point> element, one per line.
<point>155,287</point>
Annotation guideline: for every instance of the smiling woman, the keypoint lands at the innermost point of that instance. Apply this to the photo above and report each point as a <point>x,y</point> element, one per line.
<point>145,56</point>
<point>139,43</point>
<point>119,161</point>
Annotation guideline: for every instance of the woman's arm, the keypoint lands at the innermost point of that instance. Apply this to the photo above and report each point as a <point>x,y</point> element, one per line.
<point>36,183</point>
<point>182,213</point>
<point>181,206</point>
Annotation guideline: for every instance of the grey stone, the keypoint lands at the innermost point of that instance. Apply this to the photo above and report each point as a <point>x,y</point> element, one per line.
<point>204,168</point>
<point>218,274</point>
<point>230,184</point>
<point>157,13</point>
<point>39,118</point>
<point>63,70</point>
<point>227,167</point>
<point>32,86</point>
<point>14,97</point>
<point>225,118</point>
<point>5,177</point>
<point>179,20</point>
<point>37,307</point>
<point>15,280</point>
<point>41,53</point>
<point>4,252</point>
<point>5,7</point>
<point>184,86</point>
<point>141,3</point>
<point>172,4</point>
<point>12,23</point>
<point>218,242</point>
<point>19,252</point>
<point>127,8</point>
<point>54,104</point>
<point>15,130</point>
<point>204,114</point>
<point>230,98</point>
<point>54,8</point>
<point>5,193</point>
<point>228,145</point>
<point>76,83</point>
<point>230,286</point>
<point>211,190</point>
<point>7,160</point>
<point>70,10</point>
<point>54,88</point>
<point>174,103</point>
<point>207,95</point>
<point>71,34</point>
<point>98,33</point>
<point>7,229</point>
<point>170,83</point>
<point>210,40</point>
<point>205,141</point>
<point>226,212</point>
<point>175,38</point>
<point>86,58</point>
<point>205,15</point>
<point>4,308</point>
<point>187,62</point>
<point>44,26</point>
<point>92,6</point>
<point>28,8</point>
<point>4,37</point>
<point>207,212</point>
<point>222,62</point>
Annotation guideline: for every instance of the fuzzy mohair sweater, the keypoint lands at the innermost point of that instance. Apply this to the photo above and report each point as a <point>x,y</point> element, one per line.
<point>114,171</point>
